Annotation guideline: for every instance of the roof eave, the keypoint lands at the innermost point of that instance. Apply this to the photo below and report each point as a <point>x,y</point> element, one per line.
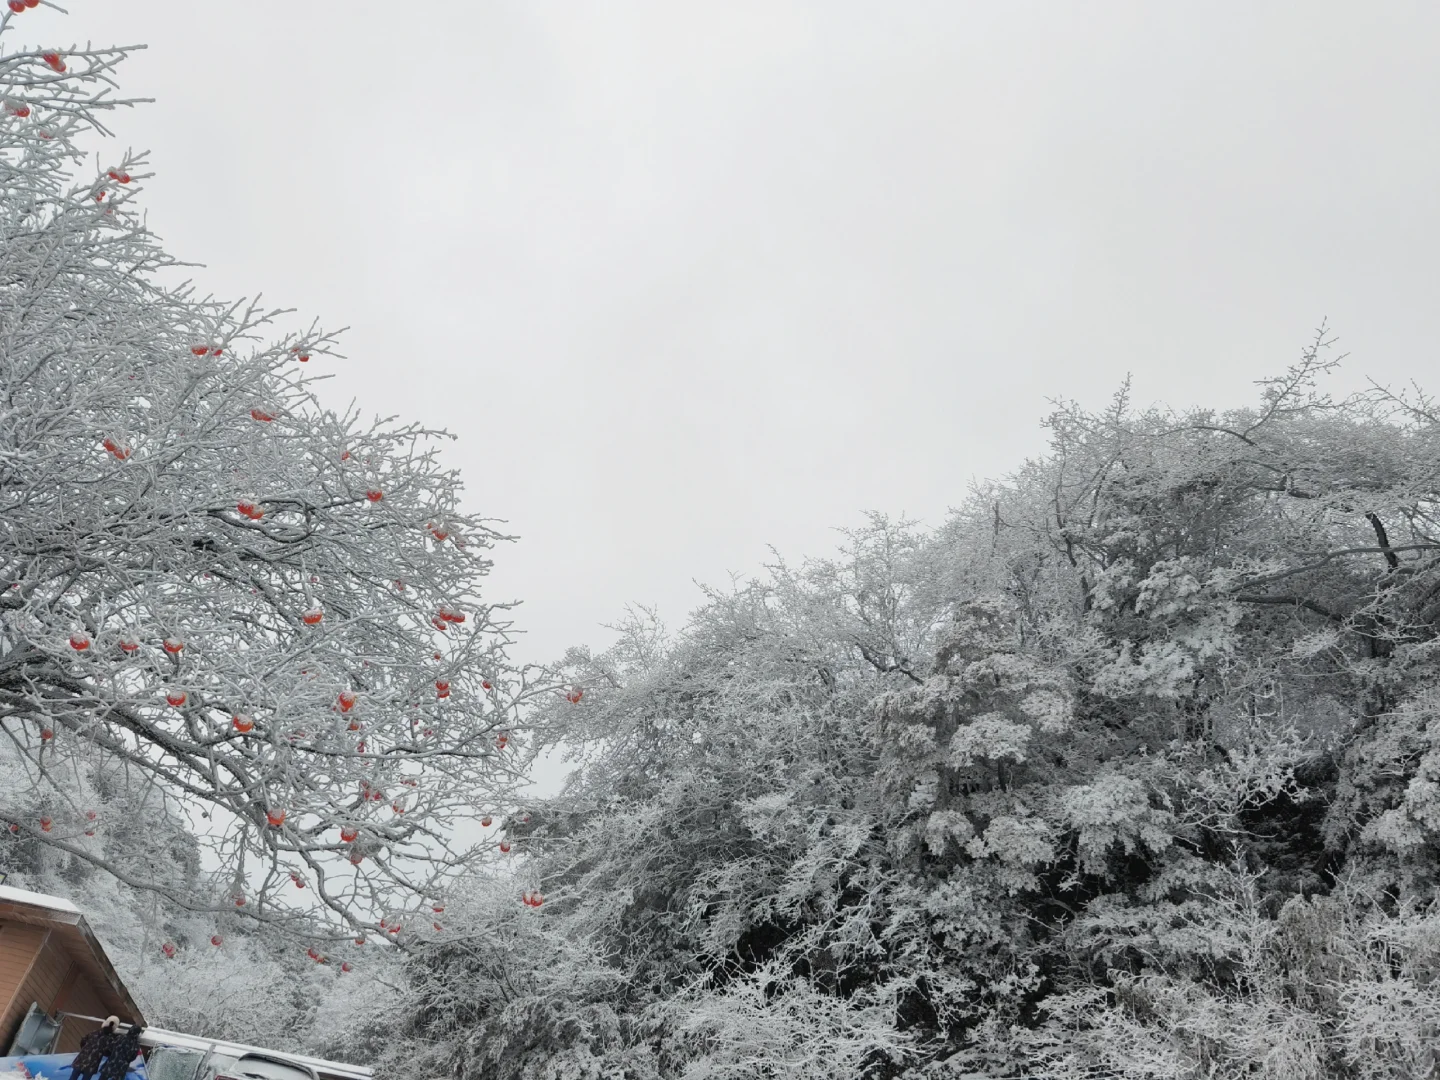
<point>111,975</point>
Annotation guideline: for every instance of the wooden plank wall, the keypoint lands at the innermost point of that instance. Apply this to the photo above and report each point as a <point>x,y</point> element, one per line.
<point>39,964</point>
<point>42,984</point>
<point>20,946</point>
<point>78,997</point>
<point>35,967</point>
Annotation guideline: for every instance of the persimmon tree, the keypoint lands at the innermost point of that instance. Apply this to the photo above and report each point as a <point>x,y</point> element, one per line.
<point>220,600</point>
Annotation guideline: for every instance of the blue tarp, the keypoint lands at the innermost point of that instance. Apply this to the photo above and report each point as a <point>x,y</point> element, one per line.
<point>53,1067</point>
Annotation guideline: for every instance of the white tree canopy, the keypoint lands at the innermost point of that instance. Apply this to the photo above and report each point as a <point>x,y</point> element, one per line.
<point>220,598</point>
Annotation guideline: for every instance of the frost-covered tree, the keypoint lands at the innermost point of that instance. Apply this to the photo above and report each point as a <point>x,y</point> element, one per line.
<point>221,602</point>
<point>1130,769</point>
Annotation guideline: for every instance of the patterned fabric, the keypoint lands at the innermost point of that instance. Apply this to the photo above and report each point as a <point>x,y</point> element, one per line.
<point>122,1053</point>
<point>92,1048</point>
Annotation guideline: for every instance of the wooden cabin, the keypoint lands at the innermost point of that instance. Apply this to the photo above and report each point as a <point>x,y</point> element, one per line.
<point>57,984</point>
<point>53,967</point>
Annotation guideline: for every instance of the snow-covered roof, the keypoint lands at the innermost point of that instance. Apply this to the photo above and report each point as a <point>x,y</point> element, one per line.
<point>160,1037</point>
<point>11,895</point>
<point>73,934</point>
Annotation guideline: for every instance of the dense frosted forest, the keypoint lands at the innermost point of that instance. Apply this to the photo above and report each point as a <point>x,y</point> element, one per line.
<point>1129,769</point>
<point>1125,771</point>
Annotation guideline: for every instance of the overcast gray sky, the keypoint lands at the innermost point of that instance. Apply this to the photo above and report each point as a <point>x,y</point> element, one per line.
<point>691,279</point>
